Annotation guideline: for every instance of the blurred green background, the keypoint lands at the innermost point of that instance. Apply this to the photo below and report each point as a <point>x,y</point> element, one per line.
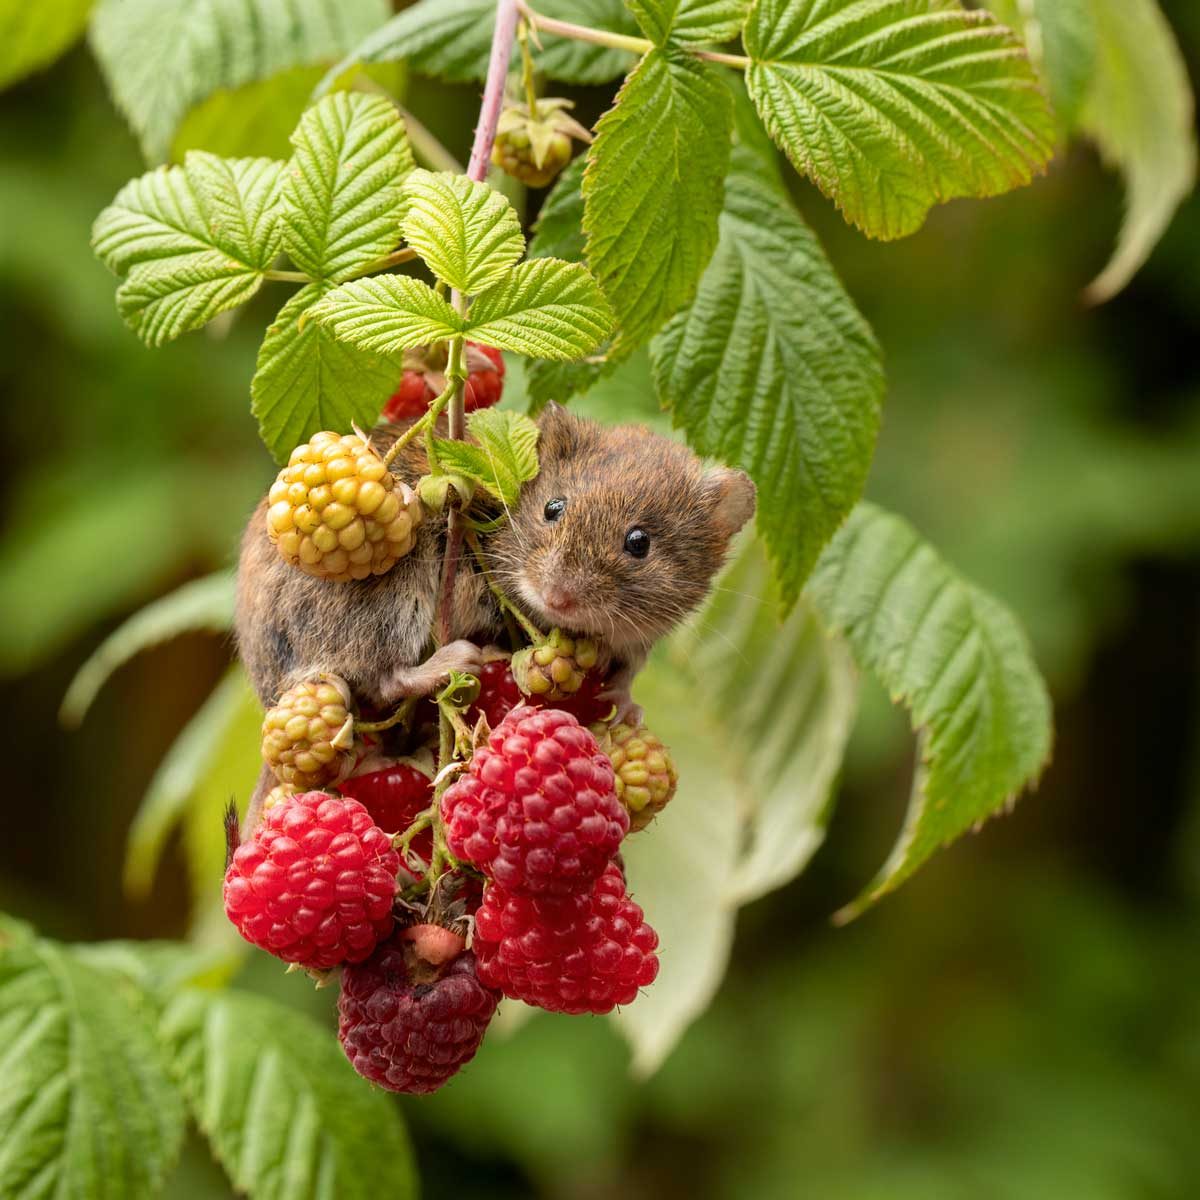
<point>1021,1021</point>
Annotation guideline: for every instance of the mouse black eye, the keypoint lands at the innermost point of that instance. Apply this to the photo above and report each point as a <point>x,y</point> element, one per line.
<point>554,508</point>
<point>637,542</point>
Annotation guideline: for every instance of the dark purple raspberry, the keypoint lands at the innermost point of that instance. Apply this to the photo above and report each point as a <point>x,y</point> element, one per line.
<point>407,1024</point>
<point>537,811</point>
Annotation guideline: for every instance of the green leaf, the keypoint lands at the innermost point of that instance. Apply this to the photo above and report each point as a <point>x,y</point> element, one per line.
<point>159,968</point>
<point>32,36</point>
<point>87,1107</point>
<point>283,1109</point>
<point>773,369</point>
<point>689,21</point>
<point>180,775</point>
<point>545,308</point>
<point>756,715</point>
<point>652,190</point>
<point>162,57</point>
<point>892,106</point>
<point>504,456</point>
<point>558,232</point>
<point>201,606</point>
<point>1141,113</point>
<point>192,241</point>
<point>1061,37</point>
<point>306,380</point>
<point>958,659</point>
<point>388,314</point>
<point>452,39</point>
<point>466,232</point>
<point>342,195</point>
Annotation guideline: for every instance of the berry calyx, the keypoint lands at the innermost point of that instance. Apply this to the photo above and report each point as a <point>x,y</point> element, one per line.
<point>645,776</point>
<point>315,883</point>
<point>424,379</point>
<point>409,1024</point>
<point>555,669</point>
<point>308,735</point>
<point>336,511</point>
<point>536,810</point>
<point>572,954</point>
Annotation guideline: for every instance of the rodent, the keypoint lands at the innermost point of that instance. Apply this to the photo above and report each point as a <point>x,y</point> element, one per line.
<point>618,537</point>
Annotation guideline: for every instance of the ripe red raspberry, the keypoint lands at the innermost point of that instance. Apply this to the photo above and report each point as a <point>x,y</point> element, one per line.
<point>499,695</point>
<point>394,792</point>
<point>315,883</point>
<point>585,705</point>
<point>408,1024</point>
<point>423,381</point>
<point>571,954</point>
<point>536,810</point>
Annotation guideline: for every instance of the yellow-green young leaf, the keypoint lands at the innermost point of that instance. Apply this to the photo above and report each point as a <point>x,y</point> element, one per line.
<point>773,369</point>
<point>162,57</point>
<point>893,106</point>
<point>34,35</point>
<point>201,606</point>
<point>452,39</point>
<point>652,190</point>
<point>283,1110</point>
<point>306,380</point>
<point>191,241</point>
<point>388,314</point>
<point>466,232</point>
<point>545,308</point>
<point>689,21</point>
<point>342,190</point>
<point>1141,113</point>
<point>87,1108</point>
<point>960,662</point>
<point>503,456</point>
<point>1061,38</point>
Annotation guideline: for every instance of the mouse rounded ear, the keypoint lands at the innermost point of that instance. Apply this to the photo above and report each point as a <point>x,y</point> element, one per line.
<point>733,492</point>
<point>559,428</point>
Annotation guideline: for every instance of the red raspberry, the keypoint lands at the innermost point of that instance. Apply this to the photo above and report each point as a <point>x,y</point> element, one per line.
<point>571,954</point>
<point>499,695</point>
<point>421,383</point>
<point>315,883</point>
<point>394,794</point>
<point>585,705</point>
<point>407,1024</point>
<point>536,810</point>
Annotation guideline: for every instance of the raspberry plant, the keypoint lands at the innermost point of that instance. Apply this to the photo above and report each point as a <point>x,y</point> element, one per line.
<point>674,234</point>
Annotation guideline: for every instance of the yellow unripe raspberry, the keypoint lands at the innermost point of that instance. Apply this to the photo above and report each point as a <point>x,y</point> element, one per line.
<point>645,776</point>
<point>555,669</point>
<point>336,511</point>
<point>277,795</point>
<point>308,737</point>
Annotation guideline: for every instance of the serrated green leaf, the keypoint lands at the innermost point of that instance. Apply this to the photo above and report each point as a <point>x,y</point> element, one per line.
<point>192,241</point>
<point>756,715</point>
<point>33,35</point>
<point>1141,113</point>
<point>306,380</point>
<point>202,605</point>
<point>282,1108</point>
<point>773,369</point>
<point>87,1107</point>
<point>466,232</point>
<point>503,457</point>
<point>343,187</point>
<point>892,106</point>
<point>162,57</point>
<point>545,308</point>
<point>452,39</point>
<point>652,190</point>
<point>1061,38</point>
<point>179,777</point>
<point>958,659</point>
<point>159,968</point>
<point>689,21</point>
<point>387,314</point>
<point>558,232</point>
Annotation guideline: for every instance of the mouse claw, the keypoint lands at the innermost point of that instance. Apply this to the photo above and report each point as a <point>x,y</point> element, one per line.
<point>626,711</point>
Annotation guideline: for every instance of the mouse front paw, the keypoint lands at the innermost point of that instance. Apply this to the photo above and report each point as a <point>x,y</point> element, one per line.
<point>625,710</point>
<point>434,672</point>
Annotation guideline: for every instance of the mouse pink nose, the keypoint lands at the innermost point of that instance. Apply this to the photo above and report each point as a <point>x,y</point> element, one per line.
<point>560,598</point>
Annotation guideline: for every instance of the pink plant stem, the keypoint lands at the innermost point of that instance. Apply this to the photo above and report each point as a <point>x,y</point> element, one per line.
<point>507,15</point>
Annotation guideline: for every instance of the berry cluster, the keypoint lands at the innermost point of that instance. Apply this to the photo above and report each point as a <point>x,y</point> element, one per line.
<point>424,380</point>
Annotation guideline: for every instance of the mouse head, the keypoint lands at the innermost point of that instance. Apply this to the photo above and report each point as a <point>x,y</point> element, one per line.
<point>621,533</point>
